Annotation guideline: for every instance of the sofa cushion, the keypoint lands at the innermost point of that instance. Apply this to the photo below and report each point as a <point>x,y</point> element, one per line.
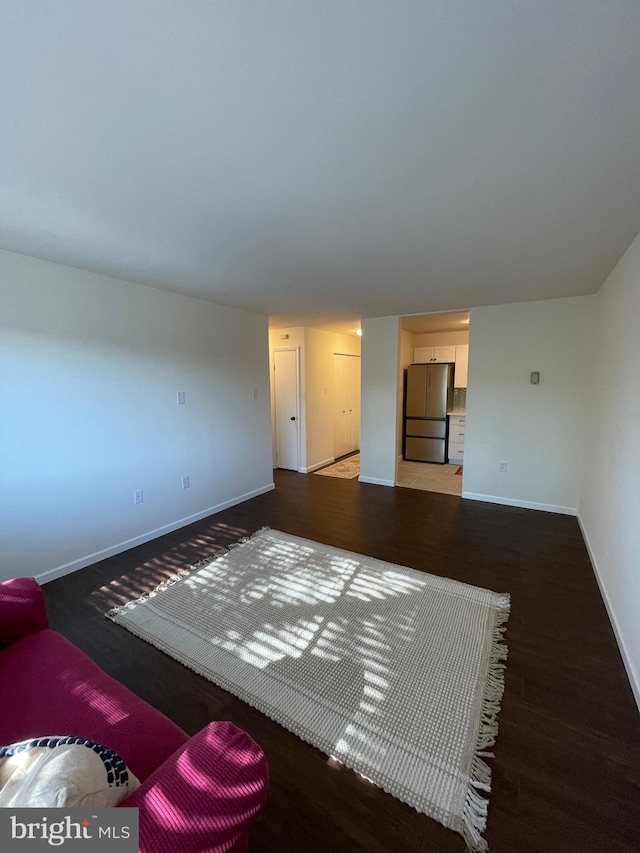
<point>23,609</point>
<point>62,772</point>
<point>204,795</point>
<point>52,686</point>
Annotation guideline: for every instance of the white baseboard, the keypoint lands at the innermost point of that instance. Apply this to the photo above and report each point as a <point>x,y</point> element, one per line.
<point>315,467</point>
<point>632,675</point>
<point>82,562</point>
<point>493,499</point>
<point>375,481</point>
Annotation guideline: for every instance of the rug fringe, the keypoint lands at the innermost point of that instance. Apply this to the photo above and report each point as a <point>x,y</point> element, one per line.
<point>178,576</point>
<point>474,815</point>
<point>116,611</point>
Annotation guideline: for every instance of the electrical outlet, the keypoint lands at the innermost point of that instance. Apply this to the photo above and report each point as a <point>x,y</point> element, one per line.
<point>502,467</point>
<point>255,393</point>
<point>185,483</point>
<point>181,398</point>
<point>138,496</point>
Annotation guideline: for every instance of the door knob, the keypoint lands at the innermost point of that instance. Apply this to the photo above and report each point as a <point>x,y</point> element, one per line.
<point>293,418</point>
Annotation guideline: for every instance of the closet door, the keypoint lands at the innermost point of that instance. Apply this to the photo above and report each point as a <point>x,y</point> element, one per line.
<point>353,403</point>
<point>340,442</point>
<point>346,384</point>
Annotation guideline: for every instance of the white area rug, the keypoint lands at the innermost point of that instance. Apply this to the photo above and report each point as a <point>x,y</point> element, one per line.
<point>393,672</point>
<point>346,469</point>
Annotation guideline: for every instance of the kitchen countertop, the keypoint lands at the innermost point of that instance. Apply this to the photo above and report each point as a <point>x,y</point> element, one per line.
<point>461,414</point>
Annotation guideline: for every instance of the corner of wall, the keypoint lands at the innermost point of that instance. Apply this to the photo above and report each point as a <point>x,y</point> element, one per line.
<point>627,659</point>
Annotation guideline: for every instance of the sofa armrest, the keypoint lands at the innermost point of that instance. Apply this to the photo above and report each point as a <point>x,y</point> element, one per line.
<point>22,609</point>
<point>204,797</point>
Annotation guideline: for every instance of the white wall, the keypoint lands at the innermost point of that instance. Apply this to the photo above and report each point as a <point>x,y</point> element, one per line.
<point>404,360</point>
<point>380,353</point>
<point>537,429</point>
<point>609,508</point>
<point>89,370</point>
<point>439,339</point>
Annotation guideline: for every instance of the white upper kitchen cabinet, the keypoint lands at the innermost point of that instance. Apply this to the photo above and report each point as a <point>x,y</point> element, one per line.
<point>434,355</point>
<point>462,366</point>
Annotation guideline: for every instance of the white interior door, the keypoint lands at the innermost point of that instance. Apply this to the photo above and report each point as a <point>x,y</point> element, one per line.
<point>353,403</point>
<point>287,416</point>
<point>346,430</point>
<point>340,443</point>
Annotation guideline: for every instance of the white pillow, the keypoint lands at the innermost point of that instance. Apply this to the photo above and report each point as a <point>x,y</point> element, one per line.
<point>52,772</point>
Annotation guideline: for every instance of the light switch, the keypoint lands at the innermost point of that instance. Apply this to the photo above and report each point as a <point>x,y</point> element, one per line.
<point>535,377</point>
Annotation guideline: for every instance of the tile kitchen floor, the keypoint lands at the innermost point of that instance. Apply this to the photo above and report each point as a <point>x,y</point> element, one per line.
<point>429,477</point>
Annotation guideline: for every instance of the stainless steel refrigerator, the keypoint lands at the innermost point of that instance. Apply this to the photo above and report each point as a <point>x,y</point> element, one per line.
<point>428,395</point>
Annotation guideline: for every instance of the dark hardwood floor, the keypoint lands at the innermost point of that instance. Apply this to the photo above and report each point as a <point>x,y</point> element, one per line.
<point>566,776</point>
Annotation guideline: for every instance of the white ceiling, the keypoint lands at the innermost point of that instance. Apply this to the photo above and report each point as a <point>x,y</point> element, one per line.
<point>324,161</point>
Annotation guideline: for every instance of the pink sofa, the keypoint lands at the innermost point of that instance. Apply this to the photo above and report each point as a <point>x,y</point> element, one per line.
<point>198,794</point>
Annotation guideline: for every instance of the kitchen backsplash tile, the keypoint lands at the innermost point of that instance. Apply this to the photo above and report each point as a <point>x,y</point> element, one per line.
<point>459,399</point>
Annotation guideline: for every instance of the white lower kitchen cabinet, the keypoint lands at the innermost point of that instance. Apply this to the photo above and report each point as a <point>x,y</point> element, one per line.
<point>455,444</point>
<point>456,453</point>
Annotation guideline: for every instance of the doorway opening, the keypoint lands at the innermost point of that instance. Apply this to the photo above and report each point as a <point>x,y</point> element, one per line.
<point>432,383</point>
